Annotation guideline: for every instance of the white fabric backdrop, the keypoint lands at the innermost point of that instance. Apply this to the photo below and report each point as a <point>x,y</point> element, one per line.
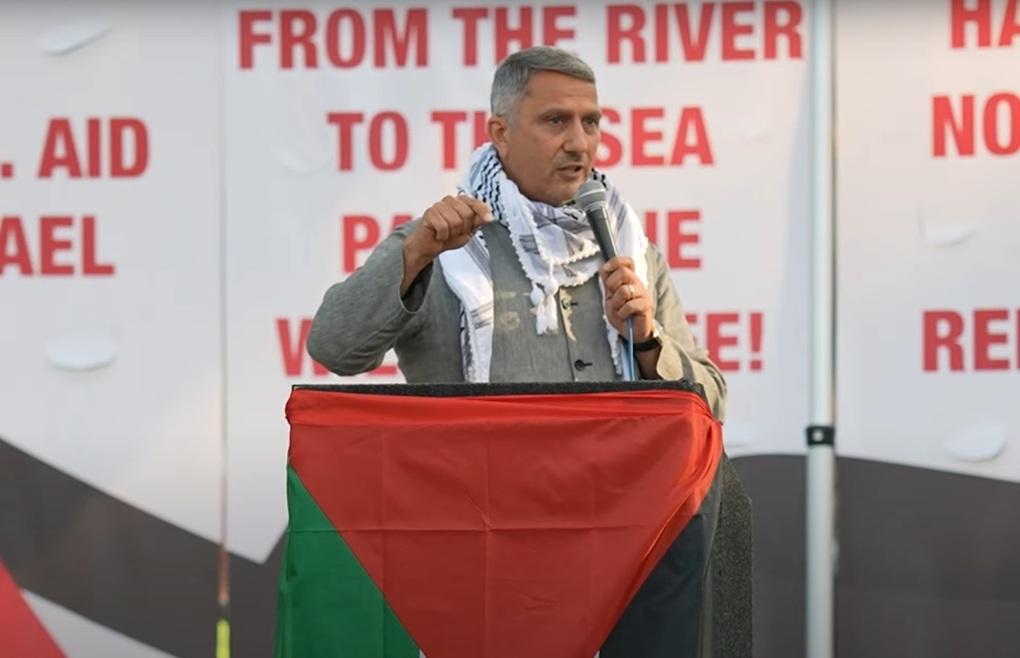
<point>251,205</point>
<point>928,235</point>
<point>731,215</point>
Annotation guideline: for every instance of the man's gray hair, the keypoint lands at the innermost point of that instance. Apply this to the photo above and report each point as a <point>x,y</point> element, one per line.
<point>514,72</point>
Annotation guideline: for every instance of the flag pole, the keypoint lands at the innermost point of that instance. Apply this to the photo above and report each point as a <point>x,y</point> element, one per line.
<point>821,459</point>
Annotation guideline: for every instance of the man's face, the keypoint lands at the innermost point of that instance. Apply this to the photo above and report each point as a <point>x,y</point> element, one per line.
<point>550,150</point>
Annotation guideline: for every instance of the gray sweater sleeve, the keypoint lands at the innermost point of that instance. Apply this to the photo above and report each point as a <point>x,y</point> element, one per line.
<point>680,358</point>
<point>361,318</point>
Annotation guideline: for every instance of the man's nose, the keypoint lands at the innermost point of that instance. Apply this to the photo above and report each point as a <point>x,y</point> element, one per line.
<point>576,140</point>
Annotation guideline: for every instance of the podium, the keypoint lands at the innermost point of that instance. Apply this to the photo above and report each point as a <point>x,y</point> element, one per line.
<point>512,520</point>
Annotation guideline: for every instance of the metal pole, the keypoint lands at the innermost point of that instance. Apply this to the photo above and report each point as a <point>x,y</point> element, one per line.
<point>820,494</point>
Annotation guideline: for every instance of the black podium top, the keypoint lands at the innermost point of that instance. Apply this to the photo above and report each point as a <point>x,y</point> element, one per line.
<point>523,388</point>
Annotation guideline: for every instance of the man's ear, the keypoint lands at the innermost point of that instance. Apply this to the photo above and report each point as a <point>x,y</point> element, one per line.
<point>498,129</point>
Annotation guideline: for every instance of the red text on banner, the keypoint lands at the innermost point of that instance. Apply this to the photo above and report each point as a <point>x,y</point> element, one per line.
<point>680,237</point>
<point>979,340</point>
<point>732,339</point>
<point>684,31</point>
<point>956,123</point>
<point>387,135</point>
<point>345,38</point>
<point>450,122</point>
<point>64,246</point>
<point>984,23</point>
<point>359,234</point>
<point>638,137</point>
<point>100,149</point>
<point>653,137</point>
<point>513,28</point>
<point>292,335</point>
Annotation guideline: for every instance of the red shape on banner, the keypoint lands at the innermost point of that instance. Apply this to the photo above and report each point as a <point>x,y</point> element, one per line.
<point>293,348</point>
<point>50,245</point>
<point>995,142</point>
<point>6,170</point>
<point>449,121</point>
<point>360,234</point>
<point>979,15</point>
<point>783,21</point>
<point>1000,124</point>
<point>513,33</point>
<point>961,12</point>
<point>732,338</point>
<point>991,333</point>
<point>756,329</point>
<point>942,332</point>
<point>716,339</point>
<point>471,17</point>
<point>1001,130</point>
<point>248,38</point>
<point>945,122</point>
<point>61,151</point>
<point>57,241</point>
<point>986,338</point>
<point>520,34</point>
<point>390,123</point>
<point>650,146</point>
<point>344,37</point>
<point>631,25</point>
<point>677,237</point>
<point>21,632</point>
<point>14,246</point>
<point>1010,25</point>
<point>90,265</point>
<point>297,27</point>
<point>506,526</point>
<point>736,28</point>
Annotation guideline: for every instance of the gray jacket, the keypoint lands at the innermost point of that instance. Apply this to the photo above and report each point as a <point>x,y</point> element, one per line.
<point>363,317</point>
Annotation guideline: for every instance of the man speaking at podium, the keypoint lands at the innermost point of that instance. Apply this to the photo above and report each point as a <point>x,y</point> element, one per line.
<point>537,270</point>
<point>505,281</point>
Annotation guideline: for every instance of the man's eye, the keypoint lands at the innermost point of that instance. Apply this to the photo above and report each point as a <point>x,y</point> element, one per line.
<point>556,120</point>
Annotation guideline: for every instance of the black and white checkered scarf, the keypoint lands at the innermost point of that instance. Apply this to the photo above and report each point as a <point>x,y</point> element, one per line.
<point>555,246</point>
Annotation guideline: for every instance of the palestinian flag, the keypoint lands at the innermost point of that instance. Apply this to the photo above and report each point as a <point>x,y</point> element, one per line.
<point>21,632</point>
<point>469,521</point>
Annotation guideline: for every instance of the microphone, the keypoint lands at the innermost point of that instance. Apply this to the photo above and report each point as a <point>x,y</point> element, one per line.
<point>591,197</point>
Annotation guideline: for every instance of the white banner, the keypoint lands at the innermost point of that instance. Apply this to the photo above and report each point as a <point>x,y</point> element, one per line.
<point>110,270</point>
<point>110,278</point>
<point>341,122</point>
<point>179,187</point>
<point>929,230</point>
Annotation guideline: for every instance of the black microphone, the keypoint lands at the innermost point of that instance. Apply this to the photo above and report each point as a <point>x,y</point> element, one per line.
<point>591,197</point>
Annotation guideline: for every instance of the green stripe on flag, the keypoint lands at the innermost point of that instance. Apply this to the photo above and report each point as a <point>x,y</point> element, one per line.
<point>328,605</point>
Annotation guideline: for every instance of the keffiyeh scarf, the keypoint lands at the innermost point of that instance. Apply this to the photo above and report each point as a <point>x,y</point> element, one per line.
<point>554,245</point>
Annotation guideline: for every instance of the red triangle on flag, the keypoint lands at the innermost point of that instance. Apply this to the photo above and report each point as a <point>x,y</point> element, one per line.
<point>506,526</point>
<point>21,632</point>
